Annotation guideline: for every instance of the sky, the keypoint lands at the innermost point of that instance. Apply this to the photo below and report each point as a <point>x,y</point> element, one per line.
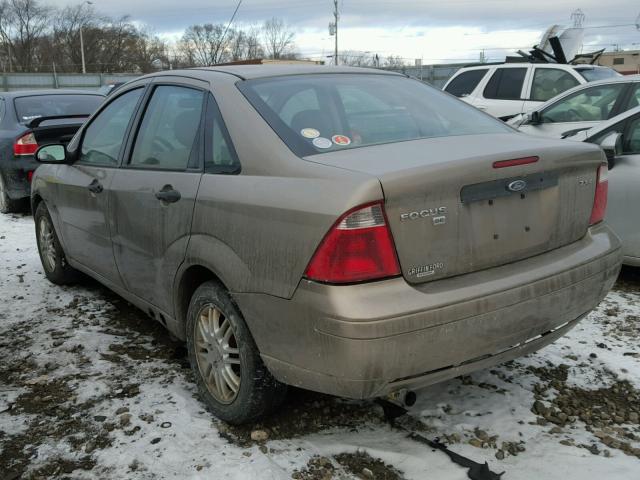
<point>433,31</point>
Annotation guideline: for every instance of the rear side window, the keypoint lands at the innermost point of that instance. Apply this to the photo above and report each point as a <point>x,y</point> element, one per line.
<point>592,104</point>
<point>593,74</point>
<point>355,110</point>
<point>169,129</point>
<point>2,109</point>
<point>549,82</point>
<point>634,99</point>
<point>466,82</point>
<point>29,108</point>
<point>632,141</point>
<point>506,84</point>
<point>220,155</point>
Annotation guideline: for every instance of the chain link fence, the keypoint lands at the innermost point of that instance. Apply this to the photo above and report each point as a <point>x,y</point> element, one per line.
<point>77,81</point>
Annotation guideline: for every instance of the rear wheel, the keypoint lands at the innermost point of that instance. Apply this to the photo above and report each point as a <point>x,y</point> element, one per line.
<point>231,377</point>
<point>7,204</point>
<point>52,256</point>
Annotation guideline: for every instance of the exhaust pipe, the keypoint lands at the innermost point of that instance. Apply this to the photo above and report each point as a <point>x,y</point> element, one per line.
<point>403,398</point>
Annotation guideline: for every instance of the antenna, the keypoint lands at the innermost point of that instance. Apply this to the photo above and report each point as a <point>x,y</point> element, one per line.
<point>578,18</point>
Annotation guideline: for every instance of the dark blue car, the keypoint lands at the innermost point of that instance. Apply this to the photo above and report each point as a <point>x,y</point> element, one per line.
<point>29,120</point>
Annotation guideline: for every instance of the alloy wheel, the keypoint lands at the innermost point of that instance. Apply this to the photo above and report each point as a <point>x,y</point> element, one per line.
<point>47,246</point>
<point>217,354</point>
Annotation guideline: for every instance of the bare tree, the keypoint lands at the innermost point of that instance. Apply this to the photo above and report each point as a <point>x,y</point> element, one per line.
<point>278,39</point>
<point>23,24</point>
<point>394,61</point>
<point>205,44</point>
<point>356,58</point>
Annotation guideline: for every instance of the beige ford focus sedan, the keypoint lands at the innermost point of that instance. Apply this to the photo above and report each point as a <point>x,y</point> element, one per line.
<point>348,231</point>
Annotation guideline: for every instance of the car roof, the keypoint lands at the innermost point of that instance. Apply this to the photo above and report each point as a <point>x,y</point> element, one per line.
<point>585,66</point>
<point>35,93</point>
<point>248,72</point>
<point>612,121</point>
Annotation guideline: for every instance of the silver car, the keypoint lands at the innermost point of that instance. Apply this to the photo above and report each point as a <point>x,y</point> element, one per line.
<point>349,231</point>
<point>620,138</point>
<point>581,108</point>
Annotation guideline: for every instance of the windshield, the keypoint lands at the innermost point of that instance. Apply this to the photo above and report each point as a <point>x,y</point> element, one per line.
<point>321,113</point>
<point>593,74</point>
<point>36,106</point>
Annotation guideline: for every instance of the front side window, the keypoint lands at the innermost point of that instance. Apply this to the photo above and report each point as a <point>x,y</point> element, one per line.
<point>103,138</point>
<point>505,84</point>
<point>357,110</point>
<point>592,104</point>
<point>465,83</point>
<point>2,108</point>
<point>549,82</point>
<point>169,129</point>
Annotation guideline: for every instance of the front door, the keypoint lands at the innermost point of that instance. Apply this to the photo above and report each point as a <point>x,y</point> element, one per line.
<point>624,195</point>
<point>153,196</point>
<point>82,199</point>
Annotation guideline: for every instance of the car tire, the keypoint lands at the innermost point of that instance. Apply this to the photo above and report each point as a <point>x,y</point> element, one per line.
<point>52,256</point>
<point>232,380</point>
<point>7,204</point>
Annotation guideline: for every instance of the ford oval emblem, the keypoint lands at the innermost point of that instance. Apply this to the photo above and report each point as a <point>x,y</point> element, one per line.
<point>517,186</point>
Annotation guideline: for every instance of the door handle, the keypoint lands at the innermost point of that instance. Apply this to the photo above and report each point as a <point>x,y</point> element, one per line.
<point>168,194</point>
<point>95,186</point>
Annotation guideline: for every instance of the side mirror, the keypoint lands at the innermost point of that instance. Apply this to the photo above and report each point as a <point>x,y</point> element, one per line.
<point>612,146</point>
<point>535,117</point>
<point>51,154</point>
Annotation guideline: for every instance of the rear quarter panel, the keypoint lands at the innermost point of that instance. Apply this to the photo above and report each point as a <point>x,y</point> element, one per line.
<point>258,230</point>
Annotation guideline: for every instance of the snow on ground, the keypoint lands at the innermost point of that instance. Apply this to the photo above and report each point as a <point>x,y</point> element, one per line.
<point>92,388</point>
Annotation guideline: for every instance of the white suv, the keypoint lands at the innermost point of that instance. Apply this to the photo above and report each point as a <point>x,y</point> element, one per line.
<point>507,89</point>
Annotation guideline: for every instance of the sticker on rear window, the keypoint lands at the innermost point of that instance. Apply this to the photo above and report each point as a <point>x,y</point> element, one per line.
<point>322,142</point>
<point>309,133</point>
<point>341,140</point>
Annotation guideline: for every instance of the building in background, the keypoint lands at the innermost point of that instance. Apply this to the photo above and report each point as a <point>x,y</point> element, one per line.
<point>626,62</point>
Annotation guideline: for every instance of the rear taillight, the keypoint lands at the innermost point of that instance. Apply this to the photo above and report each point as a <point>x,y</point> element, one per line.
<point>25,145</point>
<point>600,200</point>
<point>358,248</point>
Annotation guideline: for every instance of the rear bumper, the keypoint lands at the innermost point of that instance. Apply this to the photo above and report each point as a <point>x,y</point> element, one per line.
<point>15,172</point>
<point>368,340</point>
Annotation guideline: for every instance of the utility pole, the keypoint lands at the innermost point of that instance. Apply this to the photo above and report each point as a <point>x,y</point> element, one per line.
<point>336,17</point>
<point>84,69</point>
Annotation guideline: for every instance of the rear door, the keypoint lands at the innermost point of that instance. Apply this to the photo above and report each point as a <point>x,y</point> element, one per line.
<point>152,197</point>
<point>503,95</point>
<point>81,200</point>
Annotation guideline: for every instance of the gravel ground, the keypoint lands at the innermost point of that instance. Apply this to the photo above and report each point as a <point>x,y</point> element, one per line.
<point>92,388</point>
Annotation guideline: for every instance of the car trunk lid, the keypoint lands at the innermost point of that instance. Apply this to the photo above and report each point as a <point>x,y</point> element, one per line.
<point>451,212</point>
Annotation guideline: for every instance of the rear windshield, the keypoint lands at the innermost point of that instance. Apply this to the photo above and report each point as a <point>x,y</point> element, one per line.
<point>593,74</point>
<point>36,106</point>
<point>322,113</point>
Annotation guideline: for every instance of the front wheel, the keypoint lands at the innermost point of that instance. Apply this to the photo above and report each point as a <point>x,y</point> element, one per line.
<point>52,256</point>
<point>230,375</point>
